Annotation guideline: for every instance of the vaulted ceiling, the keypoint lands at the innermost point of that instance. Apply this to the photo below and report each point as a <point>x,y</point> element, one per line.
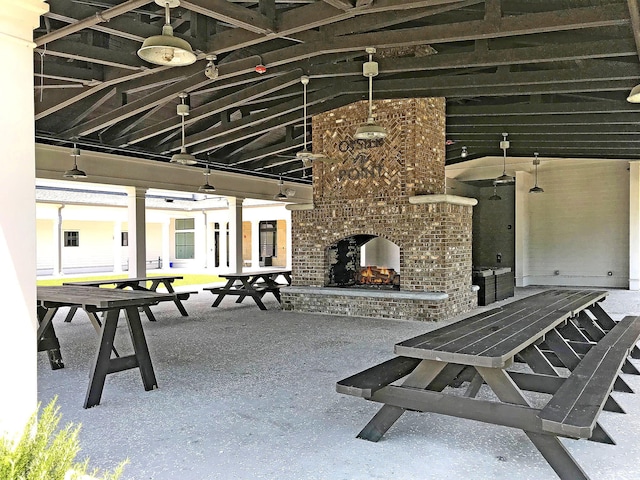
<point>554,75</point>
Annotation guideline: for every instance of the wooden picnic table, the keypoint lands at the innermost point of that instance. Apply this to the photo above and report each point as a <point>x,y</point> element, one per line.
<point>139,283</point>
<point>94,300</point>
<point>564,344</point>
<point>251,284</point>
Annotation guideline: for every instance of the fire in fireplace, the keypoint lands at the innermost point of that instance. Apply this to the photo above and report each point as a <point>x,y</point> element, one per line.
<point>346,258</point>
<point>373,275</point>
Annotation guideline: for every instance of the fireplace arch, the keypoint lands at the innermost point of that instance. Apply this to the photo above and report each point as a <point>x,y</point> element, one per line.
<point>363,260</point>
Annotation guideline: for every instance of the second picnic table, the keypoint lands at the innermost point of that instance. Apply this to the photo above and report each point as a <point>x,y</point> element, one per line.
<point>139,283</point>
<point>251,284</point>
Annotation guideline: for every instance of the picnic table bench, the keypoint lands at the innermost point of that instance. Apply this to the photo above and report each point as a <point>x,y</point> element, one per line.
<point>93,300</point>
<point>564,345</point>
<point>139,283</point>
<point>251,284</point>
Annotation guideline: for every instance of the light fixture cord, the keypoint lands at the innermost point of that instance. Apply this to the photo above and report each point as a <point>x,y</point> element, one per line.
<point>370,90</point>
<point>42,71</point>
<point>304,89</point>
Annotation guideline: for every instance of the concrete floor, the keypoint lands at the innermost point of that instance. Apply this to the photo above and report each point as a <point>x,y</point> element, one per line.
<point>250,394</point>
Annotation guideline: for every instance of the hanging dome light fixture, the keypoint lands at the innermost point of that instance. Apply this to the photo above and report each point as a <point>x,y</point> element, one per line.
<point>207,187</point>
<point>495,195</point>
<point>280,195</point>
<point>504,178</point>
<point>75,172</point>
<point>166,49</point>
<point>370,130</point>
<point>536,188</point>
<point>183,158</point>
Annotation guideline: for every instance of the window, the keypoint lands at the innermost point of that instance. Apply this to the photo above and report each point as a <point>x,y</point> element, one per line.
<point>72,239</point>
<point>124,239</point>
<point>268,239</point>
<point>185,238</point>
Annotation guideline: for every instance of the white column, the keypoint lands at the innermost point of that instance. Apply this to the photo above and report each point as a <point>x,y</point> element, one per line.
<point>117,246</point>
<point>207,241</point>
<point>200,240</point>
<point>57,243</point>
<point>137,232</point>
<point>634,226</point>
<point>235,234</point>
<point>255,244</point>
<point>289,240</point>
<point>18,374</point>
<point>166,243</point>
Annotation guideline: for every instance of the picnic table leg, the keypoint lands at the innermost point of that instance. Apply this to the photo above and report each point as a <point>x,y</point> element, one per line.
<point>141,349</point>
<point>47,338</point>
<point>554,452</point>
<point>101,363</point>
<point>421,377</point>
<point>72,311</point>
<point>177,301</point>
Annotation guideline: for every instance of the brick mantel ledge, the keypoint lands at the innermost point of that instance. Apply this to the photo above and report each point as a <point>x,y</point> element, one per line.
<point>451,199</point>
<point>365,292</point>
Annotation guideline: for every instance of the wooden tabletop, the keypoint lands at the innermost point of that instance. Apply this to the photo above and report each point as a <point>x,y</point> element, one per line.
<point>492,338</point>
<point>94,283</point>
<point>103,298</point>
<point>254,274</point>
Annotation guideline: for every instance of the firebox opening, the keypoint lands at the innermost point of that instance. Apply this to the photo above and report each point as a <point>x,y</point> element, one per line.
<point>364,261</point>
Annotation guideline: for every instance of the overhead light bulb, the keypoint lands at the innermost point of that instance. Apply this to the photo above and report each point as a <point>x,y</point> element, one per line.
<point>183,158</point>
<point>370,130</point>
<point>166,49</point>
<point>75,172</point>
<point>634,95</point>
<point>464,153</point>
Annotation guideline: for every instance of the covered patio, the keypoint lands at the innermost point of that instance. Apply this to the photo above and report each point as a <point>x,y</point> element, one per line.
<point>245,393</point>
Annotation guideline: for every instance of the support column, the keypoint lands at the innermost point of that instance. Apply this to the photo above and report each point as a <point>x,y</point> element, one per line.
<point>200,240</point>
<point>235,234</point>
<point>137,232</point>
<point>57,243</point>
<point>634,226</point>
<point>117,246</point>
<point>255,244</point>
<point>18,376</point>
<point>166,243</point>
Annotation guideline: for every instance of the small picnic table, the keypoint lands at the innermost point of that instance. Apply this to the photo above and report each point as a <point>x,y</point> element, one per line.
<point>93,300</point>
<point>251,284</point>
<point>139,283</point>
<point>566,347</point>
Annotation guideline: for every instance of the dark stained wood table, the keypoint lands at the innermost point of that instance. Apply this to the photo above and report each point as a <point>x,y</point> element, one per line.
<point>139,283</point>
<point>94,300</point>
<point>551,333</point>
<point>251,284</point>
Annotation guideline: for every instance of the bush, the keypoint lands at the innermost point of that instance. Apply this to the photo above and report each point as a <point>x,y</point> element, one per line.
<point>41,453</point>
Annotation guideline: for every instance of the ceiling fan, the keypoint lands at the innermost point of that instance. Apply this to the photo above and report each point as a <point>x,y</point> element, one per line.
<point>305,155</point>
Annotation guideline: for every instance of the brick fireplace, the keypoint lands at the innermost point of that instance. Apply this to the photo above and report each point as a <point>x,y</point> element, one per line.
<point>391,190</point>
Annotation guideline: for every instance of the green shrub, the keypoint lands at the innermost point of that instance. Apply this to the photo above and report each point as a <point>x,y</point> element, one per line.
<point>41,453</point>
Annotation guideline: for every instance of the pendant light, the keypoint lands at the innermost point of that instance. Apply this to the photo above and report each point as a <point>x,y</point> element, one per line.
<point>207,187</point>
<point>183,157</point>
<point>166,49</point>
<point>504,178</point>
<point>463,152</point>
<point>495,195</point>
<point>370,130</point>
<point>305,155</point>
<point>280,195</point>
<point>536,188</point>
<point>75,172</point>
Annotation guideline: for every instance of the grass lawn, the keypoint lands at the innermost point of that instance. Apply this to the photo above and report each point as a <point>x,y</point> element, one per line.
<point>189,279</point>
